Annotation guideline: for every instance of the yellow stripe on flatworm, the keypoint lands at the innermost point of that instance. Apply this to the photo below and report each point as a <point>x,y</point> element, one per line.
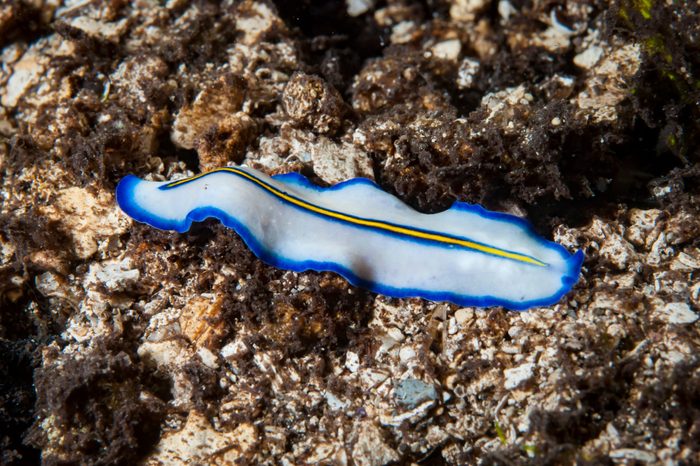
<point>370,223</point>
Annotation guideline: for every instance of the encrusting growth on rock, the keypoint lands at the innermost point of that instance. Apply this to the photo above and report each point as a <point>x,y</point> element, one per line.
<point>123,344</point>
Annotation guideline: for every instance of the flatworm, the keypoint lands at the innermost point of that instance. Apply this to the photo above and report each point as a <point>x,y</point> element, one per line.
<point>466,254</point>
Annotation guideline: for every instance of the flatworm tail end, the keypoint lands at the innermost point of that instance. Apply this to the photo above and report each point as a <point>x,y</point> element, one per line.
<point>126,193</point>
<point>125,196</point>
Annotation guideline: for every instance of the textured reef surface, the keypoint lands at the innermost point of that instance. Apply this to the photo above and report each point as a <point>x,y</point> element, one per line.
<point>122,344</point>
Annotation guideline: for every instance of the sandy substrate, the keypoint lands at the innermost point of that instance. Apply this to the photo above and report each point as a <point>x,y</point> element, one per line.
<point>122,344</point>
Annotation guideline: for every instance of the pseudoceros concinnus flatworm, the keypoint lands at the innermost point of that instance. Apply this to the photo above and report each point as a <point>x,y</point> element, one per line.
<point>466,254</point>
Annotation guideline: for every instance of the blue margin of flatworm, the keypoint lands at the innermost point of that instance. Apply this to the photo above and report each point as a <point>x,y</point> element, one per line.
<point>127,203</point>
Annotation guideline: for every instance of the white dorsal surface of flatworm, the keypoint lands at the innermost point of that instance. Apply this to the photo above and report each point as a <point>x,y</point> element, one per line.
<point>465,255</point>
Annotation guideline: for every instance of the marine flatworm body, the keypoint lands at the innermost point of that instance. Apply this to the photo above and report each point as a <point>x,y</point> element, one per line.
<point>466,254</point>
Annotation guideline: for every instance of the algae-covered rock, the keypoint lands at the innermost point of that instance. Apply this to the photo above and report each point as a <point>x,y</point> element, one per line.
<point>123,344</point>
